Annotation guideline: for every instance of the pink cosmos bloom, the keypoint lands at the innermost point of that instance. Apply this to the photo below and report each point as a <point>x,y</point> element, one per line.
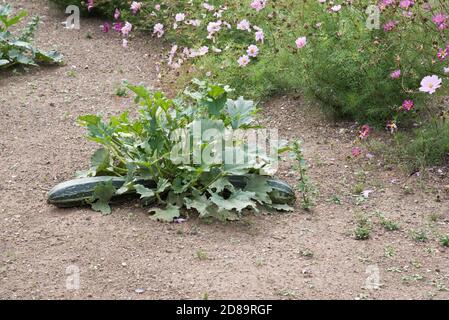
<point>442,54</point>
<point>244,25</point>
<point>253,51</point>
<point>212,28</point>
<point>301,42</point>
<point>117,26</point>
<point>446,69</point>
<point>336,8</point>
<point>208,7</point>
<point>157,7</point>
<point>90,5</point>
<point>430,84</point>
<point>158,30</point>
<point>405,4</point>
<point>356,151</point>
<point>243,61</point>
<point>116,14</point>
<point>408,105</point>
<point>390,25</point>
<point>180,17</point>
<point>135,7</point>
<point>258,4</point>
<point>395,74</point>
<point>105,27</point>
<point>440,21</point>
<point>260,36</point>
<point>195,23</point>
<point>364,131</point>
<point>126,28</point>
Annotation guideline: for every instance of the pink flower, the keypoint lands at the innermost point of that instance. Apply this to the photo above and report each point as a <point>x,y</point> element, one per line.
<point>395,74</point>
<point>440,21</point>
<point>195,23</point>
<point>116,14</point>
<point>243,61</point>
<point>244,25</point>
<point>126,28</point>
<point>90,5</point>
<point>443,53</point>
<point>180,17</point>
<point>253,51</point>
<point>407,105</point>
<point>430,84</point>
<point>405,4</point>
<point>364,131</point>
<point>105,27</point>
<point>356,151</point>
<point>157,7</point>
<point>336,8</point>
<point>135,7</point>
<point>212,28</point>
<point>158,30</point>
<point>208,7</point>
<point>301,42</point>
<point>390,25</point>
<point>117,26</point>
<point>258,4</point>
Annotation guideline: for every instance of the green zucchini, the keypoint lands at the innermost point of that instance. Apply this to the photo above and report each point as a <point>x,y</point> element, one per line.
<point>78,192</point>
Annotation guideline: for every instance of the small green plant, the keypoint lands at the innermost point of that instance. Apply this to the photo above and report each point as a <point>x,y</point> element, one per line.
<point>444,240</point>
<point>419,236</point>
<point>201,255</point>
<point>18,49</point>
<point>363,230</point>
<point>389,225</point>
<point>307,253</point>
<point>304,185</point>
<point>335,199</point>
<point>121,92</point>
<point>389,252</point>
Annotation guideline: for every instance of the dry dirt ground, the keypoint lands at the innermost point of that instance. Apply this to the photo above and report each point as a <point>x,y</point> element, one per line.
<point>125,255</point>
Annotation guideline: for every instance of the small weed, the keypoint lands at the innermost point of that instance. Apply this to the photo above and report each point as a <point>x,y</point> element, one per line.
<point>412,278</point>
<point>419,236</point>
<point>201,255</point>
<point>434,217</point>
<point>121,92</point>
<point>389,252</point>
<point>389,225</point>
<point>363,230</point>
<point>307,253</point>
<point>71,74</point>
<point>358,188</point>
<point>335,199</point>
<point>444,240</point>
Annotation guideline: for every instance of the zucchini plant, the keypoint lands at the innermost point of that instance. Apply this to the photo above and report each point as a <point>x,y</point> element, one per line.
<point>159,156</point>
<point>19,49</point>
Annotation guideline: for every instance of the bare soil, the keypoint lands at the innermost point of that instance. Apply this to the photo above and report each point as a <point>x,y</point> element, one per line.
<point>125,255</point>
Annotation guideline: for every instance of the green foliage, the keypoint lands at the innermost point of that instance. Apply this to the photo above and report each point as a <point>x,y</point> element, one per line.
<point>444,240</point>
<point>304,185</point>
<point>363,229</point>
<point>429,145</point>
<point>419,236</point>
<point>18,49</point>
<point>189,170</point>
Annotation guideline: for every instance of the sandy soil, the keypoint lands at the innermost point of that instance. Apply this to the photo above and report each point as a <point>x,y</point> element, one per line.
<point>126,255</point>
